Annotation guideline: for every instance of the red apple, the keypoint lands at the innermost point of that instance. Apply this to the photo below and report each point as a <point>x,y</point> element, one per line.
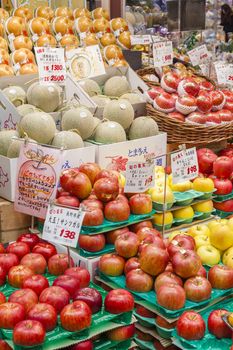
<point>30,238</point>
<point>2,298</point>
<point>229,106</point>
<point>217,326</point>
<point>123,198</point>
<point>26,297</point>
<point>18,248</point>
<point>162,322</point>
<point>117,211</point>
<point>227,152</point>
<point>45,314</point>
<point>176,115</point>
<point>28,333</point>
<point>139,281</point>
<point>68,201</point>
<point>206,85</point>
<point>188,86</point>
<point>131,264</point>
<point>91,170</point>
<point>202,272</point>
<point>140,204</point>
<point>169,267</point>
<point>84,345</point>
<point>93,217</point>
<point>164,102</point>
<point>37,283</point>
<point>81,274</point>
<point>169,82</point>
<point>34,261</point>
<point>18,274</point>
<point>93,203</point>
<point>204,102</point>
<point>221,277</point>
<point>167,278</point>
<point>4,345</point>
<point>154,91</point>
<point>186,104</point>
<point>136,227</point>
<point>111,236</point>
<point>196,117</point>
<point>8,260</point>
<point>213,118</point>
<point>151,239</point>
<point>91,297</point>
<point>59,263</point>
<point>11,314</point>
<point>45,249</point>
<point>223,167</point>
<point>218,100</point>
<point>153,260</point>
<point>143,232</point>
<point>223,186</point>
<point>111,264</point>
<point>75,182</point>
<point>225,115</point>
<point>197,289</point>
<point>121,333</point>
<point>186,263</point>
<point>92,243</point>
<point>127,244</point>
<point>2,276</point>
<point>118,301</point>
<point>142,311</point>
<point>69,283</point>
<point>191,326</point>
<point>226,206</point>
<point>106,189</point>
<point>171,296</point>
<point>55,296</point>
<point>180,242</point>
<point>107,174</point>
<point>206,159</point>
<point>76,316</point>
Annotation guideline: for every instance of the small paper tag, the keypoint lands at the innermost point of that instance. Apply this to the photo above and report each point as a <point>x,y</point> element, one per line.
<point>139,176</point>
<point>184,165</point>
<point>199,55</point>
<point>162,53</point>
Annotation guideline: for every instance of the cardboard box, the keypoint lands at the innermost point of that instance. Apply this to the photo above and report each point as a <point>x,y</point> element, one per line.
<point>116,155</point>
<point>136,84</point>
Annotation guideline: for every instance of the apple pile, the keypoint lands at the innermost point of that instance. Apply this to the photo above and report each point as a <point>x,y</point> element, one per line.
<point>33,308</point>
<point>191,99</point>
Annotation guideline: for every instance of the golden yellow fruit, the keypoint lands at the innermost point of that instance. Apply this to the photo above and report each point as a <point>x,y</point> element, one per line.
<point>213,223</point>
<point>64,11</point>
<point>209,255</point>
<point>46,40</point>
<point>6,70</point>
<point>23,56</point>
<point>204,207</point>
<point>120,63</point>
<point>100,12</point>
<point>24,11</point>
<point>4,14</point>
<point>107,39</point>
<point>118,25</point>
<point>124,40</point>
<point>229,261</point>
<point>90,39</point>
<point>203,184</point>
<point>45,12</point>
<point>83,25</point>
<point>70,41</point>
<point>182,186</point>
<point>63,25</point>
<point>28,68</point>
<point>21,42</point>
<point>158,218</point>
<point>230,319</point>
<point>197,230</point>
<point>113,52</point>
<point>39,26</point>
<point>221,236</point>
<point>101,25</point>
<point>230,223</point>
<point>3,44</point>
<point>81,12</point>
<point>201,240</point>
<point>157,195</point>
<point>16,25</point>
<point>184,213</point>
<point>4,56</point>
<point>226,254</point>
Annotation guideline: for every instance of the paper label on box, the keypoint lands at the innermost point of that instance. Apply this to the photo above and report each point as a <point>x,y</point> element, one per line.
<point>140,39</point>
<point>221,70</point>
<point>51,65</point>
<point>62,225</point>
<point>199,55</point>
<point>162,53</point>
<point>184,165</point>
<point>38,173</point>
<point>139,176</point>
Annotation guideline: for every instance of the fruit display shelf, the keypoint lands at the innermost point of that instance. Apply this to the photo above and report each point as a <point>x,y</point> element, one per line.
<point>147,325</point>
<point>105,344</point>
<point>222,198</point>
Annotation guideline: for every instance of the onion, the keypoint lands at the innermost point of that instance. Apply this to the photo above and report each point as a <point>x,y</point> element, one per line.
<point>68,140</point>
<point>90,87</point>
<point>79,118</point>
<point>15,94</point>
<point>120,111</point>
<point>6,139</point>
<point>109,132</point>
<point>143,127</point>
<point>116,86</point>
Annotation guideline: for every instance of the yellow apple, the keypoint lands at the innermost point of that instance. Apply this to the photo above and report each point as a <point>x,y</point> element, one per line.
<point>182,186</point>
<point>174,234</point>
<point>203,184</point>
<point>213,223</point>
<point>204,207</point>
<point>226,254</point>
<point>221,236</point>
<point>158,218</point>
<point>209,255</point>
<point>201,240</point>
<point>121,180</point>
<point>184,213</point>
<point>197,230</point>
<point>229,261</point>
<point>158,195</point>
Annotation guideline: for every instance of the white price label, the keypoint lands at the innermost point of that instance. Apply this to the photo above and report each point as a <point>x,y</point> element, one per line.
<point>221,70</point>
<point>184,165</point>
<point>51,65</point>
<point>229,77</point>
<point>199,55</point>
<point>140,39</point>
<point>62,225</point>
<point>162,53</point>
<point>139,176</point>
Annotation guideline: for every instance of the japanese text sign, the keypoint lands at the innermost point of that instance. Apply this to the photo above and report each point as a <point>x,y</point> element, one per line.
<point>51,65</point>
<point>62,225</point>
<point>229,77</point>
<point>199,55</point>
<point>221,70</point>
<point>139,176</point>
<point>162,53</point>
<point>184,165</point>
<point>140,39</point>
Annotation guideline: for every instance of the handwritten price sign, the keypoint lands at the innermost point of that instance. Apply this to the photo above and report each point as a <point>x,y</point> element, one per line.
<point>162,53</point>
<point>221,70</point>
<point>184,165</point>
<point>140,39</point>
<point>199,55</point>
<point>62,225</point>
<point>139,176</point>
<point>51,65</point>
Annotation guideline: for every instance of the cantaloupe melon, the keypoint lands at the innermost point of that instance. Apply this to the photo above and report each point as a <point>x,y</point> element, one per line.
<point>67,140</point>
<point>27,108</point>
<point>6,139</point>
<point>79,118</point>
<point>15,94</point>
<point>14,148</point>
<point>101,100</point>
<point>109,132</point>
<point>46,97</point>
<point>116,86</point>
<point>132,97</point>
<point>143,127</point>
<point>120,111</point>
<point>97,121</point>
<point>90,87</point>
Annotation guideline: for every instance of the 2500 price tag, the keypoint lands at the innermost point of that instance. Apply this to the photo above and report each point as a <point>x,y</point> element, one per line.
<point>62,225</point>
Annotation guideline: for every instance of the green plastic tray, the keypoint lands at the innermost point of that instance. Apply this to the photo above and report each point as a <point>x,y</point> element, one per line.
<point>151,297</point>
<point>159,206</point>
<point>105,344</point>
<point>164,332</point>
<point>160,227</point>
<point>144,344</point>
<point>186,198</point>
<point>178,222</point>
<point>223,214</point>
<point>222,198</point>
<point>109,248</point>
<point>147,322</point>
<point>207,195</point>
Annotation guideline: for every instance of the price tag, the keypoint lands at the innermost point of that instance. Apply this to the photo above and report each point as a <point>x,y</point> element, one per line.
<point>221,70</point>
<point>162,53</point>
<point>51,65</point>
<point>184,165</point>
<point>62,225</point>
<point>140,39</point>
<point>139,176</point>
<point>229,77</point>
<point>199,55</point>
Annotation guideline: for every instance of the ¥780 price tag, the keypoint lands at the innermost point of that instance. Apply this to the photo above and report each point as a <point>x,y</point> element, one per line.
<point>184,165</point>
<point>139,176</point>
<point>162,53</point>
<point>51,65</point>
<point>62,225</point>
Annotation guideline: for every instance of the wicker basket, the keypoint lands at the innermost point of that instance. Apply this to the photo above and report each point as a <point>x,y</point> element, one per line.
<point>182,132</point>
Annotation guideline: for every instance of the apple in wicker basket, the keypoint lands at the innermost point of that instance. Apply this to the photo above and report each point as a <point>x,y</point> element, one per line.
<point>225,115</point>
<point>164,103</point>
<point>213,118</point>
<point>196,118</point>
<point>176,115</point>
<point>151,94</point>
<point>204,102</point>
<point>218,99</point>
<point>229,105</point>
<point>169,82</point>
<point>188,86</point>
<point>186,104</point>
<point>206,85</point>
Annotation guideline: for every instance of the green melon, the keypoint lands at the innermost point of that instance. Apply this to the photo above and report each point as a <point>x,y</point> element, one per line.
<point>67,140</point>
<point>6,139</point>
<point>27,108</point>
<point>90,87</point>
<point>14,148</point>
<point>143,127</point>
<point>120,111</point>
<point>109,132</point>
<point>79,118</point>
<point>132,97</point>
<point>15,94</point>
<point>116,86</point>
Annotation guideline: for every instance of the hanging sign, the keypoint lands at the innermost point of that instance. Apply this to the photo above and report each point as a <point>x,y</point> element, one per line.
<point>51,65</point>
<point>221,70</point>
<point>162,53</point>
<point>139,176</point>
<point>62,225</point>
<point>199,55</point>
<point>184,165</point>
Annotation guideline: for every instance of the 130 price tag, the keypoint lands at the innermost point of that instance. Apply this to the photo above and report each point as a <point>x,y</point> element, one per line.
<point>51,65</point>
<point>199,55</point>
<point>162,53</point>
<point>184,165</point>
<point>62,225</point>
<point>139,176</point>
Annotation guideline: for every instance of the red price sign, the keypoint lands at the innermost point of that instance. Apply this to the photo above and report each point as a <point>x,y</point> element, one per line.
<point>62,225</point>
<point>199,55</point>
<point>184,165</point>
